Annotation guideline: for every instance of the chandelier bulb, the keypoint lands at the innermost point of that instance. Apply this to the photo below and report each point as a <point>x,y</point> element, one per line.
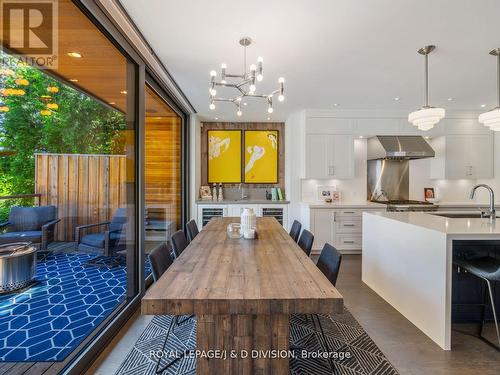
<point>213,92</point>
<point>260,59</point>
<point>270,110</point>
<point>212,106</point>
<point>252,88</point>
<point>260,77</point>
<point>213,73</point>
<point>253,67</point>
<point>239,113</point>
<point>223,66</point>
<point>281,97</point>
<point>281,80</point>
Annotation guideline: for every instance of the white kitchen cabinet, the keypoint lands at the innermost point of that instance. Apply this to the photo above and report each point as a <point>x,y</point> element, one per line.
<point>340,227</point>
<point>323,227</point>
<point>462,157</point>
<point>329,156</point>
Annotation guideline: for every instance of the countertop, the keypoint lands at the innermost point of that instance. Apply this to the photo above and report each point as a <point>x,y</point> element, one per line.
<point>450,226</point>
<point>244,201</point>
<point>347,204</point>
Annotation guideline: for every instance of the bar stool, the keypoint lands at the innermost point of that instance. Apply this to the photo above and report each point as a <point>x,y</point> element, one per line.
<point>488,269</point>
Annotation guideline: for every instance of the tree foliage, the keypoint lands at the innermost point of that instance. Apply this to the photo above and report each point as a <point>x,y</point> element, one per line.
<point>81,124</point>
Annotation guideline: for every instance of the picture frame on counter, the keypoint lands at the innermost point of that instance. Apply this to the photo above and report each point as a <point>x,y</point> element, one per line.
<point>327,194</point>
<point>429,193</point>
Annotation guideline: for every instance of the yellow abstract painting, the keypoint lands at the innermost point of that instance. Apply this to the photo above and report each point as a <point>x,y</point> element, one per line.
<point>224,156</point>
<point>261,156</point>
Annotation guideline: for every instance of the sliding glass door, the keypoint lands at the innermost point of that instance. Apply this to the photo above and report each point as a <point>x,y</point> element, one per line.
<point>163,138</point>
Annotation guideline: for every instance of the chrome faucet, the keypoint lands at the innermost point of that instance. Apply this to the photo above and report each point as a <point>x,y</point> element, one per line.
<point>491,212</point>
<point>242,190</point>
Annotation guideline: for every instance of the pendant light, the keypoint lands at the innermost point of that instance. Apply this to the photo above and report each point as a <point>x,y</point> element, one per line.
<point>491,118</point>
<point>428,116</point>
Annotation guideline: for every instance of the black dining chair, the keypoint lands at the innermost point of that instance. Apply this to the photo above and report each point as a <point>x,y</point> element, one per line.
<point>161,259</point>
<point>488,269</point>
<point>295,230</point>
<point>306,241</point>
<point>192,230</point>
<point>329,264</point>
<point>179,242</point>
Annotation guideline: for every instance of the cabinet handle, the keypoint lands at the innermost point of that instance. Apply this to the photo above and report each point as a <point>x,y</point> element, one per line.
<point>333,216</point>
<point>349,212</point>
<point>345,241</point>
<point>349,225</point>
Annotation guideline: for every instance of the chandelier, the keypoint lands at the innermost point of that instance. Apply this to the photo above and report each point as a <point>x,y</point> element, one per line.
<point>426,117</point>
<point>491,118</point>
<point>244,83</point>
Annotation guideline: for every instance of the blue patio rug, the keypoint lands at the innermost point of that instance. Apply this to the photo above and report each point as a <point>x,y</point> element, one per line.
<point>47,321</point>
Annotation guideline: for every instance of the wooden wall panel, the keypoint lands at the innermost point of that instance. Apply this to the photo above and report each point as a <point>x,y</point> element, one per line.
<point>280,126</point>
<point>84,188</point>
<point>163,165</point>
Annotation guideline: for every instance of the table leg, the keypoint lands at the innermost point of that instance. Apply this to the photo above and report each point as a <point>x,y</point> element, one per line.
<point>240,335</point>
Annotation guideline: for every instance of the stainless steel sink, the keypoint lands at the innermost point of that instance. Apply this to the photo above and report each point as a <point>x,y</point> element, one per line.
<point>460,215</point>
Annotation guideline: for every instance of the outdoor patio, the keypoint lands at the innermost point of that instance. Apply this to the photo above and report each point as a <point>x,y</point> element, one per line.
<point>48,320</point>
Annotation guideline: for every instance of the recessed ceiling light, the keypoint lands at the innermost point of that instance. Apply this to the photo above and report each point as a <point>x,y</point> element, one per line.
<point>111,103</point>
<point>483,105</point>
<point>216,118</point>
<point>335,105</point>
<point>245,103</point>
<point>396,99</point>
<point>73,80</point>
<point>450,99</point>
<point>123,92</point>
<point>360,137</point>
<point>75,54</point>
<point>269,118</point>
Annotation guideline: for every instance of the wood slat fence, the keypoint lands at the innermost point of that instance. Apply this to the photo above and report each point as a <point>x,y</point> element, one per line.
<point>85,188</point>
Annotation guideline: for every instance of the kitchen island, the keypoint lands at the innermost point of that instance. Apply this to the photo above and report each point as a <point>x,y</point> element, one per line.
<point>407,260</point>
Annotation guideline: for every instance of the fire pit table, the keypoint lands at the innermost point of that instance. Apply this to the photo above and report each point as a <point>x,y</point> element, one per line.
<point>17,266</point>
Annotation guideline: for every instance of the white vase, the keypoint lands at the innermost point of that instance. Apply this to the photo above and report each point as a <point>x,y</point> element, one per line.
<point>248,219</point>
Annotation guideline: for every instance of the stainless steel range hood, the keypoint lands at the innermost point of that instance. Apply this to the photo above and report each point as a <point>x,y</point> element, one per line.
<point>402,147</point>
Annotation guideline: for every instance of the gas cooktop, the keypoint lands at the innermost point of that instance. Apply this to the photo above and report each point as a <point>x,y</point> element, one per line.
<point>408,205</point>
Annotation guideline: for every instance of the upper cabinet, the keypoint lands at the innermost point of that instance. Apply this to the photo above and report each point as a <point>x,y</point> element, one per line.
<point>329,156</point>
<point>462,157</point>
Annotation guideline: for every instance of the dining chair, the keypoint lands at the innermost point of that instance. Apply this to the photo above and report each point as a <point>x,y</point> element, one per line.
<point>306,241</point>
<point>161,259</point>
<point>295,230</point>
<point>329,264</point>
<point>192,230</point>
<point>179,242</point>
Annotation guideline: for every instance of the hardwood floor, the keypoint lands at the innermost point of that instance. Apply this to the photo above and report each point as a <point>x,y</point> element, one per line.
<point>408,349</point>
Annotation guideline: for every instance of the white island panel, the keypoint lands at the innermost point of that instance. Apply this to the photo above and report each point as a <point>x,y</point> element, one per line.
<point>410,267</point>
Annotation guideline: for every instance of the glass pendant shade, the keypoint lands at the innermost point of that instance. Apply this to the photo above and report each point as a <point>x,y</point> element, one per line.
<point>491,119</point>
<point>425,118</point>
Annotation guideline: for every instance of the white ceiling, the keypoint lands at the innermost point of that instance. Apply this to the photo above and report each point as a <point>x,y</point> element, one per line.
<point>360,54</point>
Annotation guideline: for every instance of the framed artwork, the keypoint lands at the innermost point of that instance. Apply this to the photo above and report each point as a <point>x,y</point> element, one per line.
<point>261,156</point>
<point>429,193</point>
<point>224,156</point>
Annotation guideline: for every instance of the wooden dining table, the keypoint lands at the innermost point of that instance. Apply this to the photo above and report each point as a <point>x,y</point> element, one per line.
<point>242,293</point>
